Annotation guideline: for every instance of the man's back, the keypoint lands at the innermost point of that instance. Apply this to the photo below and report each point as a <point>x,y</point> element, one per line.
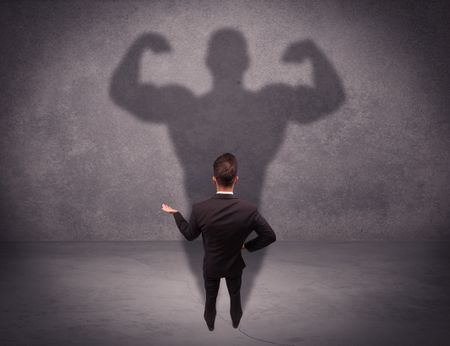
<point>225,221</point>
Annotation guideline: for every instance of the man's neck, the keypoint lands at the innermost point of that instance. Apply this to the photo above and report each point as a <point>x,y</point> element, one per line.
<point>224,190</point>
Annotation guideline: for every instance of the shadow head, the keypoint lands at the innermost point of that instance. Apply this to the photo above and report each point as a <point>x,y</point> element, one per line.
<point>227,55</point>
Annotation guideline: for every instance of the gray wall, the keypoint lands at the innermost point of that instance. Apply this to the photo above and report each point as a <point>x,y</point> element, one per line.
<point>336,111</point>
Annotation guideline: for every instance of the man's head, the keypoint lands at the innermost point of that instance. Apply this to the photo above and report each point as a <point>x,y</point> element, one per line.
<point>225,170</point>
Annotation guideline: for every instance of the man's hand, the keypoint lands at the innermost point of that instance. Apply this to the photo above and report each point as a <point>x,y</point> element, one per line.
<point>168,209</point>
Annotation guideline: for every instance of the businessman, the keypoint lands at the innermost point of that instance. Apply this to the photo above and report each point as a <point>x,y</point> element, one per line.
<point>225,221</point>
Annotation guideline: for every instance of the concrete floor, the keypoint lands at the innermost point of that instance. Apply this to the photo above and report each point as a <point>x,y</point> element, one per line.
<point>145,293</point>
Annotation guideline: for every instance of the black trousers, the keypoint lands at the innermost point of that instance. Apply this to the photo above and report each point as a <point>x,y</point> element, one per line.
<point>212,289</point>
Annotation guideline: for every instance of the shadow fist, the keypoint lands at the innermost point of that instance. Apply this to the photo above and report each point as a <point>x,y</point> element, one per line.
<point>157,43</point>
<point>297,52</point>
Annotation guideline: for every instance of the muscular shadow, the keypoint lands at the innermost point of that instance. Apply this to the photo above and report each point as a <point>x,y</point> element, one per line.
<point>229,118</point>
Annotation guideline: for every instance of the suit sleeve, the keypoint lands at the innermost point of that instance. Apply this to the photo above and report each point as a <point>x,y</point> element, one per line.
<point>266,235</point>
<point>190,229</point>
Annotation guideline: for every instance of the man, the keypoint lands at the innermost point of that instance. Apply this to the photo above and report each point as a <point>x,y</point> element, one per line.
<point>224,221</point>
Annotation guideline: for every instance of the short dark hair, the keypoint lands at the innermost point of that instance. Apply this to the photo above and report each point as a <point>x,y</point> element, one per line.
<point>225,169</point>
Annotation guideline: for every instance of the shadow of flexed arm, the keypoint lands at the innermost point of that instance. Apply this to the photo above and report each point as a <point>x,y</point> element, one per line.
<point>327,93</point>
<point>310,103</point>
<point>144,100</point>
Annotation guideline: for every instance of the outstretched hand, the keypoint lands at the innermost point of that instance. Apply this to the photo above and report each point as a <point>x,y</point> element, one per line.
<point>167,209</point>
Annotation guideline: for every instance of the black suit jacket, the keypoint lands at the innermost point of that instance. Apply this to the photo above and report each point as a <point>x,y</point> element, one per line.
<point>225,221</point>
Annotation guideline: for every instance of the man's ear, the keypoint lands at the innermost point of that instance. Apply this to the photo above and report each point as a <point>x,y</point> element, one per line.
<point>214,179</point>
<point>236,178</point>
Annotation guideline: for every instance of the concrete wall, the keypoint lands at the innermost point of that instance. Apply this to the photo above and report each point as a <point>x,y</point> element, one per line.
<point>336,111</point>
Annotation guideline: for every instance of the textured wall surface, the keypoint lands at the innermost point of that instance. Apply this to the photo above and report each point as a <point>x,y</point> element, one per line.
<point>336,111</point>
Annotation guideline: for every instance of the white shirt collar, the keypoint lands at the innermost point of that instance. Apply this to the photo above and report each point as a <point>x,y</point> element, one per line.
<point>225,192</point>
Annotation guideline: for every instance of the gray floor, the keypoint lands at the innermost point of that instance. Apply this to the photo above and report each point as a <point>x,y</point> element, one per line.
<point>145,293</point>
